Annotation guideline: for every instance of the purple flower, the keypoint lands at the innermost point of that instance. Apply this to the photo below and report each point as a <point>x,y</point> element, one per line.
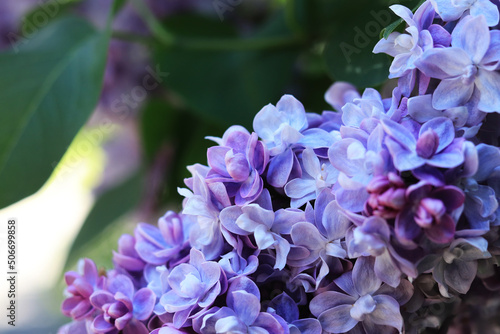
<point>407,48</point>
<point>285,307</point>
<point>241,315</point>
<point>162,244</point>
<point>280,126</point>
<point>321,238</point>
<point>194,287</point>
<point>235,264</point>
<point>435,145</point>
<point>372,238</point>
<point>317,176</point>
<point>430,210</point>
<point>451,10</point>
<point>265,225</point>
<point>123,308</point>
<point>238,162</point>
<point>362,304</point>
<point>341,93</point>
<point>204,208</point>
<point>387,195</point>
<point>357,159</point>
<point>81,285</point>
<point>469,64</point>
<point>127,257</point>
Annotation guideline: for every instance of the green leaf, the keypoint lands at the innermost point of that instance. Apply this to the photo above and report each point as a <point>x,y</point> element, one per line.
<point>108,208</point>
<point>49,86</point>
<point>228,87</point>
<point>348,52</point>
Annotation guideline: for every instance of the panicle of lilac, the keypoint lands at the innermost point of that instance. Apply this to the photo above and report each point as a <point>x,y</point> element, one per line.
<point>80,286</point>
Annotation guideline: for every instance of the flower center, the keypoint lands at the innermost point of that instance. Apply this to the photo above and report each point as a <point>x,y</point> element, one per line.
<point>362,306</point>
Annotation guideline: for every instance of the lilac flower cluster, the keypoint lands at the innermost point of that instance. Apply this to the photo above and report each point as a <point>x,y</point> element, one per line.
<point>379,217</point>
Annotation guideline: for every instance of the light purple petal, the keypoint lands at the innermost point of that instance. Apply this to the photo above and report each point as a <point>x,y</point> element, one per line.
<point>473,36</point>
<point>452,93</point>
<point>246,306</point>
<point>444,130</point>
<point>328,300</point>
<point>387,312</point>
<point>337,319</point>
<point>144,302</point>
<point>486,8</point>
<point>488,84</point>
<point>363,275</point>
<point>443,63</point>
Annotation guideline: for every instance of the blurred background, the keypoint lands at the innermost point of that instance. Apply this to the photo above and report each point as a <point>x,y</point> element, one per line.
<point>103,105</point>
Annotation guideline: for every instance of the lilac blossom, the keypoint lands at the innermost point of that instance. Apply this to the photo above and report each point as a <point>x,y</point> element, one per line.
<point>204,209</point>
<point>317,175</point>
<point>194,287</point>
<point>235,264</point>
<point>321,238</point>
<point>127,257</point>
<point>435,145</point>
<point>265,225</point>
<point>238,162</point>
<point>362,302</point>
<point>241,315</point>
<point>358,159</point>
<point>81,285</point>
<point>162,244</point>
<point>285,307</point>
<point>280,126</point>
<point>341,93</point>
<point>123,308</point>
<point>470,64</point>
<point>451,10</point>
<point>373,238</point>
<point>407,48</point>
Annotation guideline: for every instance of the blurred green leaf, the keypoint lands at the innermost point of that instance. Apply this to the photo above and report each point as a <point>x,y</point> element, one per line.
<point>48,11</point>
<point>348,53</point>
<point>229,87</point>
<point>49,85</point>
<point>108,208</point>
<point>159,126</point>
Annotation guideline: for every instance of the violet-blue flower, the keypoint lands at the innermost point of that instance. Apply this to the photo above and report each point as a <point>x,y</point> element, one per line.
<point>451,10</point>
<point>123,308</point>
<point>317,175</point>
<point>284,306</point>
<point>238,162</point>
<point>265,225</point>
<point>362,304</point>
<point>204,208</point>
<point>469,64</point>
<point>435,145</point>
<point>194,287</point>
<point>241,315</point>
<point>162,244</point>
<point>320,238</point>
<point>372,238</point>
